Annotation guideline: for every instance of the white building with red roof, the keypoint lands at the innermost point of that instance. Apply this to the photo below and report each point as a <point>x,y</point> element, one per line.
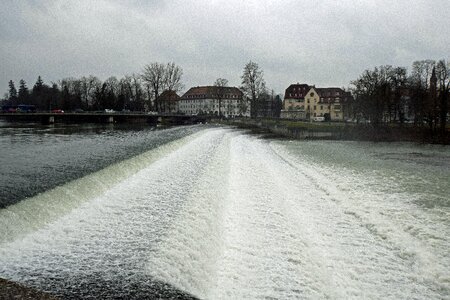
<point>205,100</point>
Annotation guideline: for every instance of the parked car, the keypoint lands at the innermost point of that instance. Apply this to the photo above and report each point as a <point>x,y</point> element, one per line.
<point>318,119</point>
<point>57,111</point>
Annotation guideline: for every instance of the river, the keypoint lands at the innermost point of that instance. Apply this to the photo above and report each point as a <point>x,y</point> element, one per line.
<point>218,213</point>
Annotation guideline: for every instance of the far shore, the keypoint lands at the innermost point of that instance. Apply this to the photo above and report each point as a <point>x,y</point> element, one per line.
<point>342,131</point>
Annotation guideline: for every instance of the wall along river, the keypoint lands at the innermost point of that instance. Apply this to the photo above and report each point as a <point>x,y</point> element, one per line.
<point>217,213</point>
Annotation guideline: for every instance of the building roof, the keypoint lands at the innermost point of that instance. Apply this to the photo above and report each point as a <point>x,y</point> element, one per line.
<point>210,92</point>
<point>332,94</point>
<point>170,96</point>
<point>297,91</point>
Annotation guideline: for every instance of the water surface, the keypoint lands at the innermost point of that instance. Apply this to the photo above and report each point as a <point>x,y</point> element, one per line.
<point>221,214</point>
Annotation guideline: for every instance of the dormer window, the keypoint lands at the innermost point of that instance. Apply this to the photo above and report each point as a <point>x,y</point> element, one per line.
<point>312,94</point>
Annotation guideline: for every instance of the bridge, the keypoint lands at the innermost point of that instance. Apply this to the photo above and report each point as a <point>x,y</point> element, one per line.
<point>93,117</point>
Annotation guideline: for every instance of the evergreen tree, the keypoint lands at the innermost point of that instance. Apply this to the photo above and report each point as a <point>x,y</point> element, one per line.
<point>23,92</point>
<point>12,91</point>
<point>38,85</point>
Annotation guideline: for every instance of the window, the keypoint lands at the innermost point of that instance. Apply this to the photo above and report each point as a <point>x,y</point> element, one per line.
<point>312,94</point>
<point>314,107</point>
<point>321,107</point>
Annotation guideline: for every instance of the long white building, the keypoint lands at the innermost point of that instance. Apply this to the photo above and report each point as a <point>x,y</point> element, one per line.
<point>206,99</point>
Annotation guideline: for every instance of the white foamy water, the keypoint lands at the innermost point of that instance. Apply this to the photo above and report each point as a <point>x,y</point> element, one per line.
<point>225,215</point>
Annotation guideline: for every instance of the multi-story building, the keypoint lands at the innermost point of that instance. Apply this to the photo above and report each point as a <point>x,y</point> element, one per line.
<point>330,103</point>
<point>294,101</point>
<point>206,99</point>
<point>305,102</point>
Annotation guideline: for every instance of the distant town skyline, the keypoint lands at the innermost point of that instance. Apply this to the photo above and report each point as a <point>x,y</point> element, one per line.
<point>322,43</point>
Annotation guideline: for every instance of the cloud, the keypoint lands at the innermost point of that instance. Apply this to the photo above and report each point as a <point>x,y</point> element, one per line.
<point>327,43</point>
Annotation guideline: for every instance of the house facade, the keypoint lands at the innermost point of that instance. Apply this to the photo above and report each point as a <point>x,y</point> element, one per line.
<point>304,102</point>
<point>294,102</point>
<point>330,103</point>
<point>206,99</point>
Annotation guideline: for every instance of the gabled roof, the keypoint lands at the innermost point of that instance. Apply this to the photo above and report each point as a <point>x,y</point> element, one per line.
<point>210,92</point>
<point>297,91</point>
<point>330,92</point>
<point>170,96</point>
<point>333,94</point>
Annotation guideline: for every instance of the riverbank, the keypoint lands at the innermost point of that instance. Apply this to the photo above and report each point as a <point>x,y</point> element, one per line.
<point>341,131</point>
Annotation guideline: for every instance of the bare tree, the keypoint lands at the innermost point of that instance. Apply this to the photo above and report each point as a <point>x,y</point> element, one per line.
<point>421,71</point>
<point>172,79</point>
<point>154,76</point>
<point>71,89</point>
<point>253,85</point>
<point>219,92</point>
<point>159,77</point>
<point>377,93</point>
<point>89,85</point>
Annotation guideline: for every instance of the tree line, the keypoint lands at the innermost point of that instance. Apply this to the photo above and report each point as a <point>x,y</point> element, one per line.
<point>136,92</point>
<point>389,94</point>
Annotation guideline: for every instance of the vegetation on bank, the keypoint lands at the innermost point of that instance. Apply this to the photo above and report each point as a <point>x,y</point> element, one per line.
<point>388,94</point>
<point>343,131</point>
<point>407,106</point>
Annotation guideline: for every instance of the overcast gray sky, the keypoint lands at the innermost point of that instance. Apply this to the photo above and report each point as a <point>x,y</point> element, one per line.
<point>326,43</point>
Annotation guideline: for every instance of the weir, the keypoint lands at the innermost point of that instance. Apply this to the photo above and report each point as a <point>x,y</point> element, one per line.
<point>225,215</point>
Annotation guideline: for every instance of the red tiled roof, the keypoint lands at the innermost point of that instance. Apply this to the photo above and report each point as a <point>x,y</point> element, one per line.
<point>169,96</point>
<point>333,94</point>
<point>204,92</point>
<point>297,91</point>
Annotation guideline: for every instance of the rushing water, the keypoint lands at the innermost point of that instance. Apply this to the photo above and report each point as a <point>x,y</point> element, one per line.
<point>220,214</point>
